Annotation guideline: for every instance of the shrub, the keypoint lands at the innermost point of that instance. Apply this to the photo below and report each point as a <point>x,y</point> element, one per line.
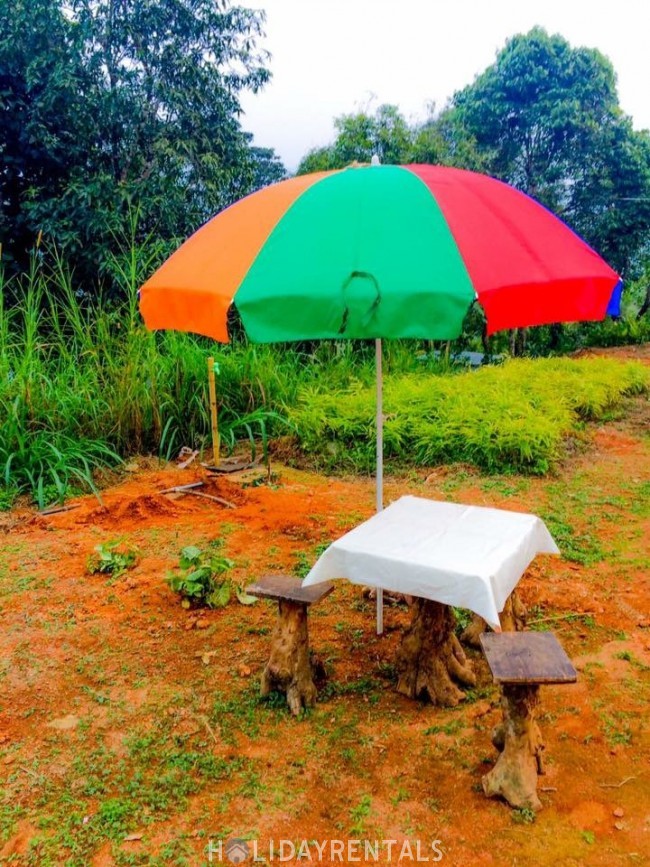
<point>514,417</point>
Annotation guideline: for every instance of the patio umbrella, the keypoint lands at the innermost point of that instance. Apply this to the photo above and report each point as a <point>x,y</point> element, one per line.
<point>379,252</point>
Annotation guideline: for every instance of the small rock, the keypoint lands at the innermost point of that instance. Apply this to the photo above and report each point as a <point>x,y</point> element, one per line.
<point>169,625</point>
<point>244,671</point>
<point>9,760</point>
<point>132,837</point>
<point>131,583</point>
<point>619,813</point>
<point>3,738</point>
<point>202,623</point>
<point>613,751</point>
<point>643,624</point>
<point>190,625</point>
<point>620,826</point>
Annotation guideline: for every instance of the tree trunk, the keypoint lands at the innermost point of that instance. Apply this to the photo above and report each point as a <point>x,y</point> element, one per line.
<point>430,656</point>
<point>512,618</point>
<point>289,669</point>
<point>514,777</point>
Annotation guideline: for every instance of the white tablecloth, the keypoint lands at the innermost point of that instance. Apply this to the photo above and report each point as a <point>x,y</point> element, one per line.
<point>466,556</point>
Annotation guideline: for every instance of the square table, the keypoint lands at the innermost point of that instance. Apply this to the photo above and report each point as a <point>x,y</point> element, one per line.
<point>466,556</point>
<point>445,554</point>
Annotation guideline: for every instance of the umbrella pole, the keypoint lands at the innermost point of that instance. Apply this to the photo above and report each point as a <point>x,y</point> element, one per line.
<point>380,468</point>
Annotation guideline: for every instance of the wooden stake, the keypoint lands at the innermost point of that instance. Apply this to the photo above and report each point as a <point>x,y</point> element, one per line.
<point>213,411</point>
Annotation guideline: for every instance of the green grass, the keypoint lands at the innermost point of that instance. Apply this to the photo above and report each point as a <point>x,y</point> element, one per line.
<point>83,385</point>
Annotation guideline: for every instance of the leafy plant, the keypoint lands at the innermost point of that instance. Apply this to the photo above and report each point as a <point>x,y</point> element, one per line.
<point>201,579</point>
<point>111,558</point>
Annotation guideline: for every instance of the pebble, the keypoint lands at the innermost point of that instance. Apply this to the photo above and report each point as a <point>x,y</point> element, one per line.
<point>619,813</point>
<point>202,623</point>
<point>244,671</point>
<point>620,826</point>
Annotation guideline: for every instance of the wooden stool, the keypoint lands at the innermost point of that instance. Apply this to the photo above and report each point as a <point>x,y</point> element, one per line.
<point>520,662</point>
<point>289,668</point>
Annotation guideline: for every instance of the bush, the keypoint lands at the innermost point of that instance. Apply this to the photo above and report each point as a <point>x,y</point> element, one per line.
<point>514,417</point>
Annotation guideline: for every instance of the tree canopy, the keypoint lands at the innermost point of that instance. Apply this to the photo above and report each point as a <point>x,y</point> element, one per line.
<point>547,120</point>
<point>543,117</point>
<point>110,105</point>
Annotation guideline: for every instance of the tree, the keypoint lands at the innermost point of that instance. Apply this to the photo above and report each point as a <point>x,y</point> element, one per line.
<point>267,166</point>
<point>125,103</point>
<point>546,118</point>
<point>359,137</point>
<point>439,139</point>
<point>442,140</point>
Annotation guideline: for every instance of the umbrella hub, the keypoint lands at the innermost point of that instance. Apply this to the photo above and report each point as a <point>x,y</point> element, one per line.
<point>361,299</point>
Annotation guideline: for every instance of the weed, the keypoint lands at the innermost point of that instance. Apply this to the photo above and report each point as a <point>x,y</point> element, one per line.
<point>306,559</point>
<point>201,579</point>
<point>358,815</point>
<point>523,816</point>
<point>111,558</point>
<point>450,728</point>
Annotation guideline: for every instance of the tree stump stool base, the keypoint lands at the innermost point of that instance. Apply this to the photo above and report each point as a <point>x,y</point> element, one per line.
<point>520,662</point>
<point>430,657</point>
<point>290,668</point>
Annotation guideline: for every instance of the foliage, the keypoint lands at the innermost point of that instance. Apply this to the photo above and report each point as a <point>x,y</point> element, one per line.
<point>509,418</point>
<point>200,579</point>
<point>83,385</point>
<point>110,104</point>
<point>547,118</point>
<point>544,117</point>
<point>111,558</point>
<point>386,133</point>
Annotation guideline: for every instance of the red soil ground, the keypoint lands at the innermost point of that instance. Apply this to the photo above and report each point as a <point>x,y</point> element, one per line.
<point>108,686</point>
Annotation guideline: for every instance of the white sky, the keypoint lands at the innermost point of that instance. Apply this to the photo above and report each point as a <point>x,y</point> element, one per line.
<point>332,57</point>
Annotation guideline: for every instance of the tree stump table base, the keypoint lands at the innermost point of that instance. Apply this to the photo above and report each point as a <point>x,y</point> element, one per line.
<point>520,662</point>
<point>513,619</point>
<point>430,657</point>
<point>290,669</point>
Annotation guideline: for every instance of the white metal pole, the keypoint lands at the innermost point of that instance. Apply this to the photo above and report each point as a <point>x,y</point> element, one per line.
<point>379,469</point>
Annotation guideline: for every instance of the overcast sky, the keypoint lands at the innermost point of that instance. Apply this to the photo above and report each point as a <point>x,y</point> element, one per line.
<point>332,57</point>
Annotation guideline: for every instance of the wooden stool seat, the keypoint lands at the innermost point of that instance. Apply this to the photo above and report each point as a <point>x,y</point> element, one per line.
<point>520,662</point>
<point>289,668</point>
<point>527,657</point>
<point>290,588</point>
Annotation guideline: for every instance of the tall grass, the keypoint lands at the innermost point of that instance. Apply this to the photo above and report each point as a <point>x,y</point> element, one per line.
<point>83,384</point>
